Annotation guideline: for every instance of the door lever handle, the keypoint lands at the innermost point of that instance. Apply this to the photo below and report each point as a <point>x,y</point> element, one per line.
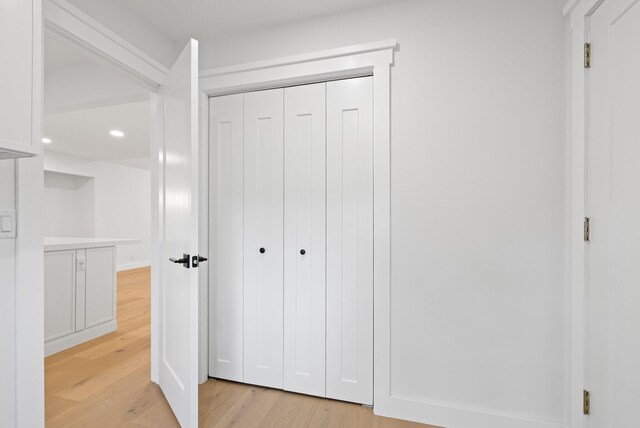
<point>196,260</point>
<point>184,261</point>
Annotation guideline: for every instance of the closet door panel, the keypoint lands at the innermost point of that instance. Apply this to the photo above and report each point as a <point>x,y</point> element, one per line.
<point>304,232</point>
<point>263,201</point>
<point>350,240</point>
<point>226,237</point>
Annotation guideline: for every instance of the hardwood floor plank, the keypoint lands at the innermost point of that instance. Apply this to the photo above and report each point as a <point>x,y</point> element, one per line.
<point>106,383</point>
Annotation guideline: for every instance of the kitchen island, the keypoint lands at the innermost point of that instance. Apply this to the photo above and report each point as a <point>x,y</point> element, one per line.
<point>80,290</point>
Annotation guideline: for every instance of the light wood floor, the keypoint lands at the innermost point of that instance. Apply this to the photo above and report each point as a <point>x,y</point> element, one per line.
<point>105,383</point>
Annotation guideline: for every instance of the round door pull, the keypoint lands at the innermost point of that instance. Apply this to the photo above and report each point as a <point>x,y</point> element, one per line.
<point>303,252</point>
<point>262,250</point>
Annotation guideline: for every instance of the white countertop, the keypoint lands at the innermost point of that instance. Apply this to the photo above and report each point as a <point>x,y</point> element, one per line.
<point>53,243</point>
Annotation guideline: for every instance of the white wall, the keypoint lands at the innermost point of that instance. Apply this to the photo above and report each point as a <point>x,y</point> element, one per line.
<point>69,203</point>
<point>478,188</point>
<point>122,202</point>
<point>7,302</point>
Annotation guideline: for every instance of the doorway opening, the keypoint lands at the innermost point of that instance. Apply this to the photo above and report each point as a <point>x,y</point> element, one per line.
<point>97,187</point>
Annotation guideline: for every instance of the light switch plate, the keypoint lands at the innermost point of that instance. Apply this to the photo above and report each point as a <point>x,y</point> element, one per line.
<point>7,224</point>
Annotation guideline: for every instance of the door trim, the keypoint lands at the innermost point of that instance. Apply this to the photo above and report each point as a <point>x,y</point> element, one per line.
<point>578,13</point>
<point>372,59</point>
<point>68,21</point>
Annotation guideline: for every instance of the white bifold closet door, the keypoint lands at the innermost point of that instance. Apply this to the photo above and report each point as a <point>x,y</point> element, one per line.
<point>226,207</point>
<point>263,238</point>
<point>349,267</point>
<point>304,239</point>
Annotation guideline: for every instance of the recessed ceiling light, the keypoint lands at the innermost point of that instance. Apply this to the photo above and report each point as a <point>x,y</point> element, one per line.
<point>117,133</point>
<point>46,140</point>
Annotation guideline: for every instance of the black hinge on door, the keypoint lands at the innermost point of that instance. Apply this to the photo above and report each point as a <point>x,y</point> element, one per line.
<point>586,402</point>
<point>587,55</point>
<point>587,229</point>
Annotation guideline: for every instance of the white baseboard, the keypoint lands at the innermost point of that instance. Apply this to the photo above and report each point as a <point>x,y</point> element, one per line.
<point>452,416</point>
<point>60,344</point>
<point>135,265</point>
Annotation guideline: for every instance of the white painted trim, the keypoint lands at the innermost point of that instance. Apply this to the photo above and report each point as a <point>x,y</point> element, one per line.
<point>65,342</point>
<point>157,236</point>
<point>302,58</point>
<point>76,26</point>
<point>29,292</point>
<point>135,265</point>
<point>351,61</point>
<point>579,10</point>
<point>448,415</point>
<point>203,244</point>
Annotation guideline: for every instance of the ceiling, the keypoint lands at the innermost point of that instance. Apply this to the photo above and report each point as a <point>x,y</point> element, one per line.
<point>202,19</point>
<point>85,99</point>
<point>85,133</point>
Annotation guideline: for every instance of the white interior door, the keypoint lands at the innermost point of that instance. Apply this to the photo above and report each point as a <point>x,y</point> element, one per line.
<point>614,163</point>
<point>263,237</point>
<point>177,314</point>
<point>226,208</point>
<point>350,240</point>
<point>304,239</point>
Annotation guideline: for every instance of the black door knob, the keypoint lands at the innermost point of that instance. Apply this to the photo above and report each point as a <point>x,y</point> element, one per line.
<point>262,250</point>
<point>303,252</point>
<point>196,260</point>
<point>184,261</point>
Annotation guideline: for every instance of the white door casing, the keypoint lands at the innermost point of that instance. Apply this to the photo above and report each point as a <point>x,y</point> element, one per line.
<point>373,59</point>
<point>304,232</point>
<point>613,295</point>
<point>177,309</point>
<point>263,238</point>
<point>350,240</point>
<point>226,208</point>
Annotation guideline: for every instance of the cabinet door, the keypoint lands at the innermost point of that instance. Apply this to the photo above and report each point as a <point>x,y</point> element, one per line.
<point>59,294</point>
<point>263,237</point>
<point>100,286</point>
<point>226,237</point>
<point>350,240</point>
<point>304,239</point>
<point>20,77</point>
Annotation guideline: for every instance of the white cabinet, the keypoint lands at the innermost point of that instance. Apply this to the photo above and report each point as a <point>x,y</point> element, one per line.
<point>100,280</point>
<point>80,296</point>
<point>21,83</point>
<point>59,294</point>
<point>292,191</point>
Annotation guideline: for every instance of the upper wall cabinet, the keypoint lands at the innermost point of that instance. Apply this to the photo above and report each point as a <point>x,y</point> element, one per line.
<point>20,78</point>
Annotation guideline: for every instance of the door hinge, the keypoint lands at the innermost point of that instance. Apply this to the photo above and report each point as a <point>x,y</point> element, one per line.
<point>586,402</point>
<point>587,55</point>
<point>587,229</point>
